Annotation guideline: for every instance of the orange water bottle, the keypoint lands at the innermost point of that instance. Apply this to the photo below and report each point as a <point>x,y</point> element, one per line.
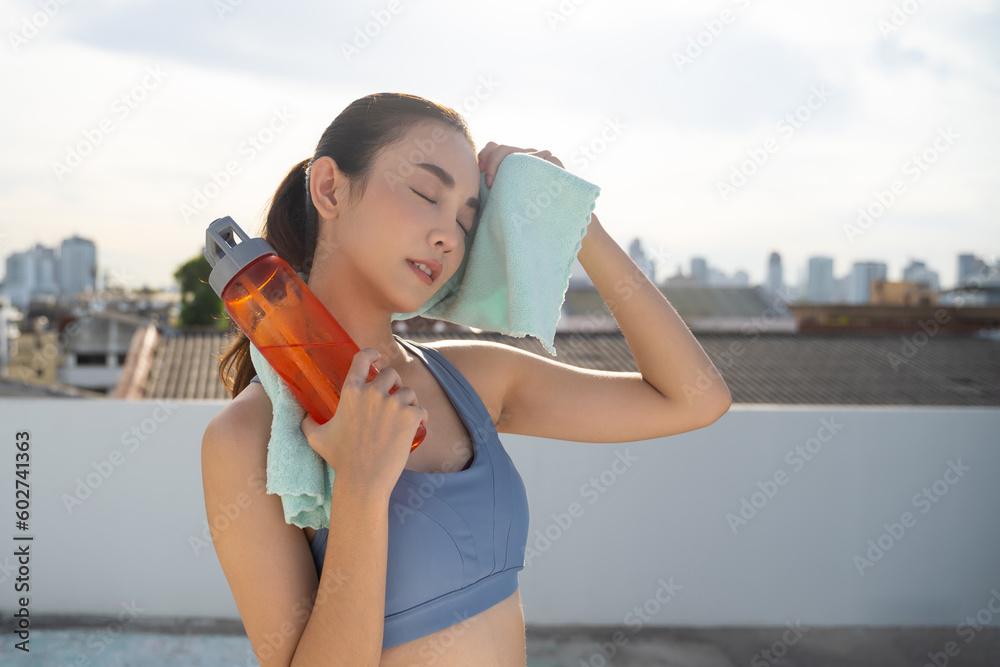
<point>284,320</point>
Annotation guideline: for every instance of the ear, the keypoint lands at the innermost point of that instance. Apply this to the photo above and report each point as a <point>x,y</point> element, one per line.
<point>327,187</point>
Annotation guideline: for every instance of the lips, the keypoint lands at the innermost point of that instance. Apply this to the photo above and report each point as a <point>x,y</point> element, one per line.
<point>432,264</point>
<point>420,272</point>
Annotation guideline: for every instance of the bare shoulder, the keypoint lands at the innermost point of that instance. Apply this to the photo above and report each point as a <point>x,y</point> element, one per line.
<point>235,440</point>
<point>247,418</point>
<point>484,364</point>
<point>234,445</point>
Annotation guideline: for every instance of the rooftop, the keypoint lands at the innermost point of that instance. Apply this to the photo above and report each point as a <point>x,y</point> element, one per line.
<point>790,368</point>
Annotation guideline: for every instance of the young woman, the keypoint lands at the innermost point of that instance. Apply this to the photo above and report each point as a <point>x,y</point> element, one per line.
<point>419,578</point>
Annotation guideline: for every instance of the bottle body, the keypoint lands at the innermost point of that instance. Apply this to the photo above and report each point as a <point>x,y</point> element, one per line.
<point>297,335</point>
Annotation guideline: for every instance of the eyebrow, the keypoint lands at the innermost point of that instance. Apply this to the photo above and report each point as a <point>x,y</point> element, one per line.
<point>448,181</point>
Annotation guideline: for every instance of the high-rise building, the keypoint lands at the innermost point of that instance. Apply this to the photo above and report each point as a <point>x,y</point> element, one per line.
<point>645,263</point>
<point>77,266</point>
<point>862,275</point>
<point>42,273</point>
<point>820,286</point>
<point>699,270</point>
<point>918,272</point>
<point>775,280</point>
<point>970,266</point>
<point>31,274</point>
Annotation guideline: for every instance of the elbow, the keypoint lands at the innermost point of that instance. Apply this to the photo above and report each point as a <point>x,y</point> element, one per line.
<point>717,407</point>
<point>723,400</point>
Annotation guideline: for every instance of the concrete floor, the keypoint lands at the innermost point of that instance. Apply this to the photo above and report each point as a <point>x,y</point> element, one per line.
<point>63,642</point>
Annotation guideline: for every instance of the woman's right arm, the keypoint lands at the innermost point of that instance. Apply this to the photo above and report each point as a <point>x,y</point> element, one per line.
<point>291,617</point>
<point>349,614</point>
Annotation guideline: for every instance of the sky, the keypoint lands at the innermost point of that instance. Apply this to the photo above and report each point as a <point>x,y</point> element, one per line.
<point>862,130</point>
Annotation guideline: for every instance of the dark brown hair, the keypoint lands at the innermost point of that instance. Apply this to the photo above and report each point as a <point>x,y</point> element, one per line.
<point>354,140</point>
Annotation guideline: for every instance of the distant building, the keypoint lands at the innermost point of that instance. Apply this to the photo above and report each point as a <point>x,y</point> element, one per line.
<point>918,272</point>
<point>703,309</point>
<point>820,284</point>
<point>96,349</point>
<point>968,265</point>
<point>40,274</point>
<point>922,320</point>
<point>31,274</point>
<point>679,280</point>
<point>901,293</point>
<point>978,285</point>
<point>645,263</point>
<point>977,273</point>
<point>77,266</point>
<point>699,270</point>
<point>862,275</point>
<point>718,278</point>
<point>775,283</point>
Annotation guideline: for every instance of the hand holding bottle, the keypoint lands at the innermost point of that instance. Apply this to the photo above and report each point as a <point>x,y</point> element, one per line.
<point>368,439</point>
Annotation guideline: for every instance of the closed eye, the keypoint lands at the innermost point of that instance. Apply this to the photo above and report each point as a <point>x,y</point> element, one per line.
<point>434,202</point>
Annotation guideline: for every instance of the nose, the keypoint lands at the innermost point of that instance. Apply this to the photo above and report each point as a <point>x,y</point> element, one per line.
<point>447,237</point>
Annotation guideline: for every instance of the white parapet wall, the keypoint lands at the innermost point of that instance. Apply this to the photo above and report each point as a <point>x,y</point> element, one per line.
<point>775,514</point>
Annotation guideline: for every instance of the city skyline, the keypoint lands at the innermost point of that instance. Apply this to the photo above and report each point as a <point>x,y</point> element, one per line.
<point>81,267</point>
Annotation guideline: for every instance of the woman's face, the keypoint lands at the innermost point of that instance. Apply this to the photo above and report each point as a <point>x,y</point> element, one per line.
<point>420,202</point>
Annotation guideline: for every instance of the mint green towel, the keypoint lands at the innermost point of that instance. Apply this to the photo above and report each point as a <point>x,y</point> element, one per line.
<point>512,280</point>
<point>294,470</point>
<point>515,272</point>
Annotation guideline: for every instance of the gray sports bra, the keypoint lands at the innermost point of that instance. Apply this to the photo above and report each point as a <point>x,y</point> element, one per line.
<point>457,539</point>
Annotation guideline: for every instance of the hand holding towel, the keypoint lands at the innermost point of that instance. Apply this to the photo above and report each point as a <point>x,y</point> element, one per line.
<point>515,272</point>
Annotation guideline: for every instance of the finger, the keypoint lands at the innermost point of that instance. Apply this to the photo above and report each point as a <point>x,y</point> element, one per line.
<point>485,153</point>
<point>496,157</point>
<point>554,160</point>
<point>549,157</point>
<point>363,359</point>
<point>498,153</point>
<point>388,380</point>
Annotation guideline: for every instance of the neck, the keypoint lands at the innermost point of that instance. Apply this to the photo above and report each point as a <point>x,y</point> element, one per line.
<point>365,322</point>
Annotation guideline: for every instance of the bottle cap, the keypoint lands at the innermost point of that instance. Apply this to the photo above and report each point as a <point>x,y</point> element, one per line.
<point>227,257</point>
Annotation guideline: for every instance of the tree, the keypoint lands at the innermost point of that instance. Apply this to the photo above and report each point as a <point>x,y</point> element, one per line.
<point>200,305</point>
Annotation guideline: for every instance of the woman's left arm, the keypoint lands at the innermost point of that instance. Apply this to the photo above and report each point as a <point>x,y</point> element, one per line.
<point>667,354</point>
<point>677,389</point>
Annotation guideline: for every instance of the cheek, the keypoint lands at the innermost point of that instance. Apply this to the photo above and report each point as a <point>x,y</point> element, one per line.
<point>401,213</point>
